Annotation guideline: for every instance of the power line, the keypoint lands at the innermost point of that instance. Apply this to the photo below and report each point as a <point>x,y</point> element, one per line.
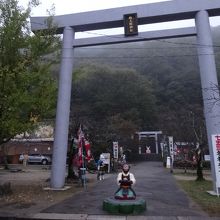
<point>193,44</point>
<point>135,48</point>
<point>164,41</point>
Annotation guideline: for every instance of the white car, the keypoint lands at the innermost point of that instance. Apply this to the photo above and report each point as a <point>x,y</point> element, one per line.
<point>36,158</point>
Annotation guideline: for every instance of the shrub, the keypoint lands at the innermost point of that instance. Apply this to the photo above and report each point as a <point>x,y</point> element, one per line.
<point>206,164</point>
<point>182,164</point>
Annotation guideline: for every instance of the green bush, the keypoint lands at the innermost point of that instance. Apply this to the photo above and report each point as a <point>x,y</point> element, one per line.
<point>182,164</point>
<point>91,165</point>
<point>206,164</point>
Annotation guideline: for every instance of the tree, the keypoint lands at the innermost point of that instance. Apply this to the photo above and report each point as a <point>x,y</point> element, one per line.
<point>199,159</point>
<point>112,104</point>
<point>28,90</point>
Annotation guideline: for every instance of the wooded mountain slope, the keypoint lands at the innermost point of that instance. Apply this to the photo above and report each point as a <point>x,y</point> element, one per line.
<point>171,67</point>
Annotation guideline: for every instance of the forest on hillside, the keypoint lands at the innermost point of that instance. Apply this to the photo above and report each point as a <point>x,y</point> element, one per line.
<point>152,85</point>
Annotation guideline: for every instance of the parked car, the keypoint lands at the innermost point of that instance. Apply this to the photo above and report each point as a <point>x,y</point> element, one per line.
<point>36,158</point>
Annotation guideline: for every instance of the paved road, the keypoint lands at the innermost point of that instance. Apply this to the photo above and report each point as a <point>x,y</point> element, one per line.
<point>154,183</point>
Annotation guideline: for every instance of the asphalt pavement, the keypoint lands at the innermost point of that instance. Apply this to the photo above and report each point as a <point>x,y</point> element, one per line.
<point>165,200</point>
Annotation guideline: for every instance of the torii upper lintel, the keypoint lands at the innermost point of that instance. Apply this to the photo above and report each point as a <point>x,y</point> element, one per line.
<point>147,14</point>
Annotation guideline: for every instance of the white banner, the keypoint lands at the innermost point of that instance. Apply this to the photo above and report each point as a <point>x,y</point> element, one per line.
<point>115,150</point>
<point>216,155</point>
<point>170,139</point>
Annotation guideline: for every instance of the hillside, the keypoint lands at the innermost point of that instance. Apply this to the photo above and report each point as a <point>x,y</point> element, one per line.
<point>171,65</point>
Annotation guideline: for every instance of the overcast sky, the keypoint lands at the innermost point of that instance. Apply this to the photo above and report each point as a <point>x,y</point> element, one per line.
<point>75,6</point>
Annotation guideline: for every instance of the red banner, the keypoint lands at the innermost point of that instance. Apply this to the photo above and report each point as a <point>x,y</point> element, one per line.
<point>84,148</point>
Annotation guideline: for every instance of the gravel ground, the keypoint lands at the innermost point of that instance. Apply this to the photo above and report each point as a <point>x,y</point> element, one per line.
<point>28,195</point>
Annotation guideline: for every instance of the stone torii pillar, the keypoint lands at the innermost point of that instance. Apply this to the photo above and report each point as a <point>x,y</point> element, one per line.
<point>209,81</point>
<point>63,110</point>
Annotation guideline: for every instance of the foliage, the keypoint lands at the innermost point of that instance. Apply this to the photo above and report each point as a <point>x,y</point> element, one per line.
<point>111,103</point>
<point>27,88</point>
<point>206,165</point>
<point>183,164</point>
<point>172,67</point>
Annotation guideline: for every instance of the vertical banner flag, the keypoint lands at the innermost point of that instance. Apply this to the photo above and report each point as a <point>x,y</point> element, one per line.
<point>80,145</point>
<point>216,155</point>
<point>84,147</point>
<point>115,150</point>
<point>88,150</point>
<point>170,139</point>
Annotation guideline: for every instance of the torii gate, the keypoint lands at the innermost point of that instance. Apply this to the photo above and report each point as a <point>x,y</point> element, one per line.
<point>200,10</point>
<point>153,134</point>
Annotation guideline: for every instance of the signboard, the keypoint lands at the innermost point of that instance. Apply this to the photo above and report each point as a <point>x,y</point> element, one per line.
<point>131,24</point>
<point>115,150</point>
<point>105,157</point>
<point>207,157</point>
<point>216,155</point>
